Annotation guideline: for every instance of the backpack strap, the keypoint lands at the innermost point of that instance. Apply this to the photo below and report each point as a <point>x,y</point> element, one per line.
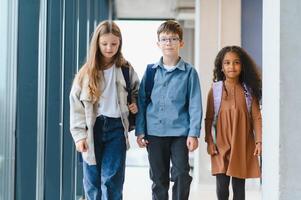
<point>126,76</point>
<point>149,81</point>
<point>248,96</point>
<point>217,89</point>
<point>149,84</point>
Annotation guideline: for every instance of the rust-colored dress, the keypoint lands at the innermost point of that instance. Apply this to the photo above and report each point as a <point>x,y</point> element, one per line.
<point>235,134</point>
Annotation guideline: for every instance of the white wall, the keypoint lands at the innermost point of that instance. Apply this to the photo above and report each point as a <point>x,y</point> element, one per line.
<point>217,23</point>
<point>271,98</point>
<point>290,100</point>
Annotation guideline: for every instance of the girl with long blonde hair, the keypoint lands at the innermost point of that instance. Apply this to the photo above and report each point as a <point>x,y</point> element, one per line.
<point>99,111</point>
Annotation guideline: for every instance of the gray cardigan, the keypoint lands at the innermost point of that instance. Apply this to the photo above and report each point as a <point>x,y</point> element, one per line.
<point>83,112</point>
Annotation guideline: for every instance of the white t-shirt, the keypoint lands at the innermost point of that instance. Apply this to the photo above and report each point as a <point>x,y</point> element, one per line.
<point>108,105</point>
<point>169,68</point>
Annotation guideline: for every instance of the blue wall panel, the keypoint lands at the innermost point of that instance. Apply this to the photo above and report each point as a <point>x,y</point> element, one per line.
<point>27,88</point>
<point>53,100</point>
<point>69,69</point>
<point>67,36</point>
<point>252,28</point>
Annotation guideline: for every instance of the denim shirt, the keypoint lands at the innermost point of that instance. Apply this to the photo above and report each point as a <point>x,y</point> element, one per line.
<point>176,104</point>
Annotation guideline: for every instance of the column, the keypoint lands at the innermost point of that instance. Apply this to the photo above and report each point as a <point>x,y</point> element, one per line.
<point>8,68</point>
<point>217,24</point>
<point>281,100</point>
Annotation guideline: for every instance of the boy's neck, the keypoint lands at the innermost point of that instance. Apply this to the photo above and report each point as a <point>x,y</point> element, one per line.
<point>171,60</point>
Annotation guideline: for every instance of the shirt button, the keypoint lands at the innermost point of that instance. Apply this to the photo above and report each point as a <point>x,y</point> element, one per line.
<point>160,121</point>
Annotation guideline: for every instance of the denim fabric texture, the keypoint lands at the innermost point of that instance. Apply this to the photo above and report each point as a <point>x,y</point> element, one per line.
<point>104,181</point>
<point>176,104</point>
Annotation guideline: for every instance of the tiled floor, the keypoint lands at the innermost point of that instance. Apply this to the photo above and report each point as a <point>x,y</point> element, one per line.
<point>138,187</point>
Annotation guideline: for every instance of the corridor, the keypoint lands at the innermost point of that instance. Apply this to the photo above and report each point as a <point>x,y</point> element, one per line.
<point>138,186</point>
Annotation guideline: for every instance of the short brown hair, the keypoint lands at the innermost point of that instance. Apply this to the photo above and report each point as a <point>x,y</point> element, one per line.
<point>171,26</point>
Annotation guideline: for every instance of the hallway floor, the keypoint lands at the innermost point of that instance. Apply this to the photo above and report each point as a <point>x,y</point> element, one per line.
<point>138,186</point>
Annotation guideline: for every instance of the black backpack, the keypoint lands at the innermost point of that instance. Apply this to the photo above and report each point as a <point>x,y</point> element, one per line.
<point>149,84</point>
<point>126,76</point>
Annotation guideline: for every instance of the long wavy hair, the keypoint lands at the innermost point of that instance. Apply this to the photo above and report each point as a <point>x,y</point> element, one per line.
<point>95,64</point>
<point>249,71</point>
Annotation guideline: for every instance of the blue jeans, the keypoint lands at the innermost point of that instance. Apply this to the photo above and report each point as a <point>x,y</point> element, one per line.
<point>104,181</point>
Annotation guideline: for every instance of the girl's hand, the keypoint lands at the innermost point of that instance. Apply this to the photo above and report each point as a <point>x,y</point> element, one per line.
<point>211,149</point>
<point>81,145</point>
<point>258,149</point>
<point>133,108</point>
<point>192,143</point>
<point>141,141</point>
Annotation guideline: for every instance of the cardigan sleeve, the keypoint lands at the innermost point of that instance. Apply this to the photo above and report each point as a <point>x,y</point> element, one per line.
<point>134,85</point>
<point>78,126</point>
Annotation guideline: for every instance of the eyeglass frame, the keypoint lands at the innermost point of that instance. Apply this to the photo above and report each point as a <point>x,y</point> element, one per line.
<point>171,40</point>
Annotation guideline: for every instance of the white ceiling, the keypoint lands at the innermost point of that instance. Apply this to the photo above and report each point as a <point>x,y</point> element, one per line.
<point>155,9</point>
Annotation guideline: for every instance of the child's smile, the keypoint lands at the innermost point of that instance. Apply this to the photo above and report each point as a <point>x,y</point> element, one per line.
<point>231,66</point>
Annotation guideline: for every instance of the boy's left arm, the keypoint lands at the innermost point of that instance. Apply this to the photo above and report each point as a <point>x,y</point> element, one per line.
<point>194,104</point>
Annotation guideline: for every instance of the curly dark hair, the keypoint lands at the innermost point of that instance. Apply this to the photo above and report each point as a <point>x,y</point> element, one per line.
<point>249,70</point>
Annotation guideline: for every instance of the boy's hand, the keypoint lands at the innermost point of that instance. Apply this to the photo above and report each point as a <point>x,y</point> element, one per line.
<point>133,108</point>
<point>192,143</point>
<point>81,145</point>
<point>211,149</point>
<point>141,141</point>
<point>258,149</point>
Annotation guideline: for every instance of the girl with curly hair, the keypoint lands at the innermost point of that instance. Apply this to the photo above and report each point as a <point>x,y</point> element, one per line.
<point>233,122</point>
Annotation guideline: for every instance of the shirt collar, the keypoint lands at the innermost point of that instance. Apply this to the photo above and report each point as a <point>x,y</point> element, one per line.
<point>180,65</point>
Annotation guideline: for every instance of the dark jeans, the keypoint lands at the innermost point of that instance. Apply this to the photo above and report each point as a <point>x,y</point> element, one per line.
<point>222,187</point>
<point>104,181</point>
<point>162,150</point>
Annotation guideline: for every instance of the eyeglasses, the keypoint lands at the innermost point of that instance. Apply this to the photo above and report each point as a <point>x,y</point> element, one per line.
<point>173,40</point>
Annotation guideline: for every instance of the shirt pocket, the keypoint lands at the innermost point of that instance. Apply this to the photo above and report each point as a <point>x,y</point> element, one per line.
<point>177,91</point>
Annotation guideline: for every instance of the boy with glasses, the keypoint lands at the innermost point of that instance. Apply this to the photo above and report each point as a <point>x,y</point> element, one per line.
<point>170,117</point>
